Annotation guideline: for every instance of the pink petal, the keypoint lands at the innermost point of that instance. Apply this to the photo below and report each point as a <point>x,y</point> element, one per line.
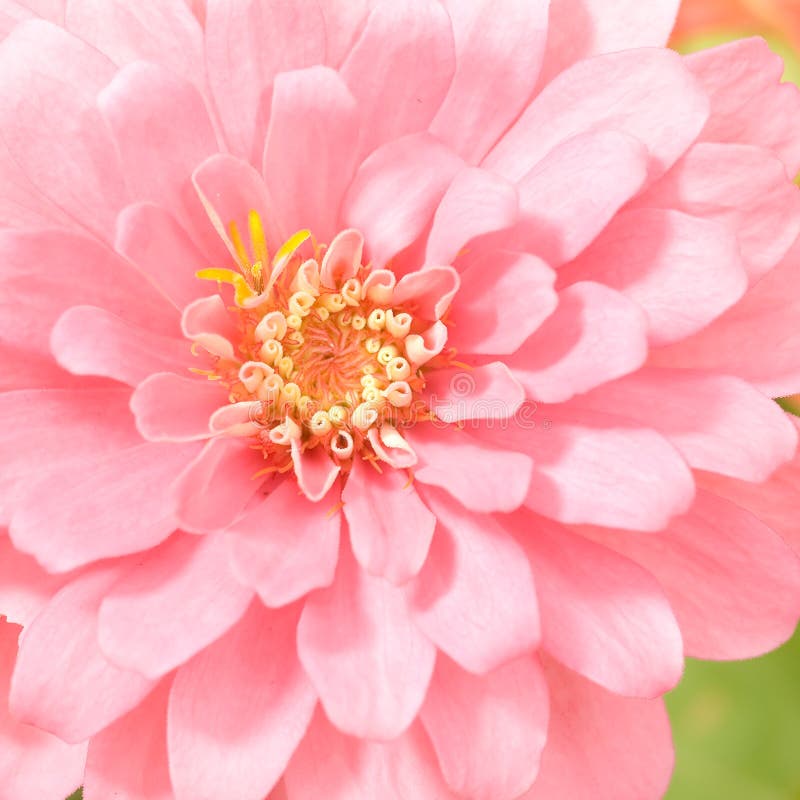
<point>390,527</point>
<point>683,271</point>
<point>570,196</point>
<point>344,21</point>
<point>35,294</point>
<point>170,606</point>
<point>116,505</point>
<point>47,431</point>
<point>152,239</point>
<point>285,546</point>
<point>498,56</point>
<point>25,587</point>
<point>314,470</point>
<point>164,32</point>
<point>475,597</point>
<point>480,476</point>
<point>170,408</point>
<point>488,731</point>
<point>162,130</point>
<point>337,767</point>
<point>88,340</point>
<point>396,191</point>
<point>582,28</point>
<point>49,82</point>
<point>602,470</point>
<point>647,94</point>
<point>209,322</point>
<point>247,44</point>
<point>746,188</point>
<point>477,202</point>
<point>757,340</point>
<point>504,297</point>
<point>749,104</point>
<point>602,615</point>
<point>594,335</point>
<point>733,583</point>
<point>216,486</point>
<point>488,392</point>
<point>238,711</point>
<point>33,764</point>
<point>364,655</point>
<point>128,760</point>
<point>312,141</point>
<point>717,423</point>
<point>62,683</point>
<point>400,69</point>
<point>342,259</point>
<point>631,760</point>
<point>428,293</point>
<point>229,189</point>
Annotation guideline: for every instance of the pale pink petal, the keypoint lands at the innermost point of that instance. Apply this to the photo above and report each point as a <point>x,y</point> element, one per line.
<point>757,340</point>
<point>572,194</point>
<point>717,423</point>
<point>25,587</point>
<point>337,767</point>
<point>247,44</point>
<point>390,446</point>
<point>115,505</point>
<point>33,764</point>
<point>488,731</point>
<point>427,293</point>
<point>236,419</point>
<point>498,56</point>
<point>344,21</point>
<point>488,392</point>
<point>684,271</point>
<point>285,546</point>
<point>390,527</point>
<point>400,69</point>
<point>34,292</point>
<point>238,711</point>
<point>647,94</point>
<point>62,683</point>
<point>504,297</point>
<point>315,471</point>
<point>342,259</point>
<point>152,239</point>
<point>163,32</point>
<point>170,408</point>
<point>588,468</point>
<point>602,615</point>
<point>364,655</point>
<point>216,486</point>
<point>582,28</point>
<point>594,335</point>
<point>229,189</point>
<point>477,202</point>
<point>745,187</point>
<point>52,10</point>
<point>481,477</point>
<point>600,745</point>
<point>128,760</point>
<point>312,141</point>
<point>171,605</point>
<point>396,191</point>
<point>209,322</point>
<point>48,83</point>
<point>749,104</point>
<point>475,597</point>
<point>55,429</point>
<point>733,583</point>
<point>162,131</point>
<point>88,340</point>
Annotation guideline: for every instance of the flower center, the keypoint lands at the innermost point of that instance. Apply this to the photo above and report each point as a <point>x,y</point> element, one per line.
<point>326,357</point>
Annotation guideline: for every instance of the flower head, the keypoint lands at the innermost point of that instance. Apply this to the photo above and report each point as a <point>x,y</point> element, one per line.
<point>385,387</point>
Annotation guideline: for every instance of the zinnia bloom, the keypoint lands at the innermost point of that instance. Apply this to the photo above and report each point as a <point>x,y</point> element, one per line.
<point>387,389</point>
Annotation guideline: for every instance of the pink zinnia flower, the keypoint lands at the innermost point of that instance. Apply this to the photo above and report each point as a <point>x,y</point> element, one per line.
<point>387,388</point>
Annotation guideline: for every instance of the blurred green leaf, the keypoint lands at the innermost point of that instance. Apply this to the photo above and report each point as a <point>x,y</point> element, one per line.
<point>77,796</point>
<point>737,729</point>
